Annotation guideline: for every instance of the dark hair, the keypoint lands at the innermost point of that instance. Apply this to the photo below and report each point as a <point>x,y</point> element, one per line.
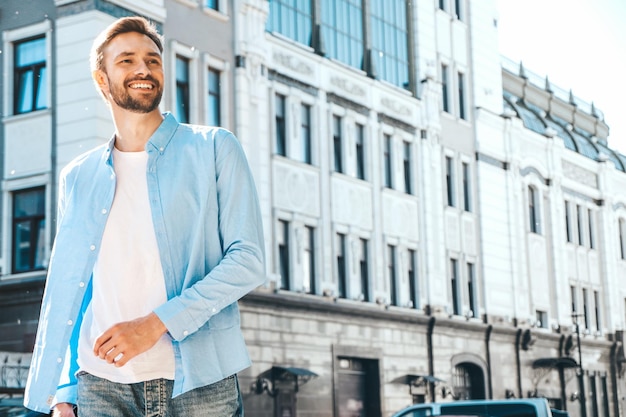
<point>124,25</point>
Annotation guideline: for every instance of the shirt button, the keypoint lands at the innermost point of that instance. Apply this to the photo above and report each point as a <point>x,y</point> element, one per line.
<point>70,322</point>
<point>92,247</point>
<point>59,360</point>
<point>104,211</point>
<point>185,333</point>
<point>161,149</point>
<point>213,310</point>
<point>81,284</point>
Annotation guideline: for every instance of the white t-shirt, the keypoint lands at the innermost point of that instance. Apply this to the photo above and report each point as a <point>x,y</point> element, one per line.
<point>128,278</point>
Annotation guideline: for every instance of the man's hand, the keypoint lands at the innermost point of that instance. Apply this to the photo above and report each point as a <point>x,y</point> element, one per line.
<point>63,410</point>
<point>125,340</point>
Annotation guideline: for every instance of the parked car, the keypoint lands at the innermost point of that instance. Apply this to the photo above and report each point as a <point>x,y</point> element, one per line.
<point>523,407</point>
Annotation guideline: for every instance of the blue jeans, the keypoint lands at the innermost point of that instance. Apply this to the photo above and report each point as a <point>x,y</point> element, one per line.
<point>99,397</point>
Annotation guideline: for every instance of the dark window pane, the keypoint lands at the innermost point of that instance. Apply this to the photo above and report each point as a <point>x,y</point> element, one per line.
<point>28,230</point>
<point>212,4</point>
<point>281,135</point>
<point>213,112</point>
<point>182,89</point>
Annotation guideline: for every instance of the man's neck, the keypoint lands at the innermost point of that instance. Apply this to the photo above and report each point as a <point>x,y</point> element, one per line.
<point>133,130</point>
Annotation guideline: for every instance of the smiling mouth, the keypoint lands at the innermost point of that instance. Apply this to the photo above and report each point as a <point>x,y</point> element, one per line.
<point>140,86</point>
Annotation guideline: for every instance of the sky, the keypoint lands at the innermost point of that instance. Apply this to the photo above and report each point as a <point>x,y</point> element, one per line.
<point>580,45</point>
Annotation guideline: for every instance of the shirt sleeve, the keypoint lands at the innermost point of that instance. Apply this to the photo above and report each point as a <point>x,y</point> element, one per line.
<point>241,229</point>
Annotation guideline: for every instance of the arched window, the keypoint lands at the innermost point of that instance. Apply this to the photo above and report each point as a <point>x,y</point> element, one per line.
<point>533,210</point>
<point>468,382</point>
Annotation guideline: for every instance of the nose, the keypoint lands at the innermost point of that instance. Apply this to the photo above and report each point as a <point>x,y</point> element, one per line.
<point>142,68</point>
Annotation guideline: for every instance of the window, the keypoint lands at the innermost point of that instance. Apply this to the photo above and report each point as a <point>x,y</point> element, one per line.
<point>586,308</point>
<point>444,88</point>
<point>282,235</point>
<point>390,49</point>
<point>308,280</point>
<point>30,75</point>
<point>457,9</point>
<point>213,111</point>
<point>387,161</point>
<point>364,270</point>
<point>542,319</point>
<point>533,210</point>
<point>467,194</point>
<point>622,238</point>
<point>568,220</point>
<point>590,221</point>
<point>406,166</point>
<point>596,306</point>
<point>581,229</point>
<point>442,4</point>
<point>342,31</point>
<point>212,4</point>
<point>337,144</point>
<point>280,125</point>
<point>454,286</point>
<point>182,89</point>
<point>360,151</point>
<point>292,18</point>
<point>461,88</point>
<point>450,181</point>
<point>29,223</point>
<point>391,269</point>
<point>305,132</point>
<point>468,382</point>
<point>471,289</point>
<point>341,265</point>
<point>377,43</point>
<point>413,282</point>
<point>573,299</point>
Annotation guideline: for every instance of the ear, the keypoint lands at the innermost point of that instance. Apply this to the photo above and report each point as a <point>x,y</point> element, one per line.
<point>100,78</point>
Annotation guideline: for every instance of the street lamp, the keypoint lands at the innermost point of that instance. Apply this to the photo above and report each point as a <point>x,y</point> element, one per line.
<point>581,377</point>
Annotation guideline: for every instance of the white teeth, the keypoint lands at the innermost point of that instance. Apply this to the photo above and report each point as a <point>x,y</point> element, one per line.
<point>140,85</point>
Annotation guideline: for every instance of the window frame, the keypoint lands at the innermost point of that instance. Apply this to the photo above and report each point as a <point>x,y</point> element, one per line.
<point>223,68</point>
<point>534,209</point>
<point>283,254</point>
<point>195,86</point>
<point>10,38</point>
<point>341,263</point>
<point>13,219</point>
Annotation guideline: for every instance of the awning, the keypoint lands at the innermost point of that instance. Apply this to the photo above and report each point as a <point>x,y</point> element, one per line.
<point>277,373</point>
<point>416,379</point>
<point>564,362</point>
<point>283,373</point>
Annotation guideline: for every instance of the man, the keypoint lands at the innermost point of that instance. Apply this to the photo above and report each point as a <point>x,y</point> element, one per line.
<point>159,234</point>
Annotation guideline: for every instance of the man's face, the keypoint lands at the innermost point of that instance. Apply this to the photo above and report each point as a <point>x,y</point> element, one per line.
<point>133,73</point>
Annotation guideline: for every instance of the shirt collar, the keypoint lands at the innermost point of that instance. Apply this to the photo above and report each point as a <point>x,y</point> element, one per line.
<point>162,136</point>
<point>159,139</point>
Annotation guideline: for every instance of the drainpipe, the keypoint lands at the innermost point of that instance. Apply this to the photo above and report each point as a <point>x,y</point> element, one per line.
<point>488,357</point>
<point>518,363</point>
<point>431,360</point>
<point>615,350</point>
<point>562,374</point>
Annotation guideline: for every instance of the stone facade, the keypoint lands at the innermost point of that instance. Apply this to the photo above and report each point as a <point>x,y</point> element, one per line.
<point>448,243</point>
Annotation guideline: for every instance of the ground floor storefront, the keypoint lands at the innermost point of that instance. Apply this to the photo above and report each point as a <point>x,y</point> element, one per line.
<point>316,356</point>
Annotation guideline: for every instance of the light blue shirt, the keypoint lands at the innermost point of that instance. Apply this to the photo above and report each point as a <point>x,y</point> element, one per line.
<point>209,232</point>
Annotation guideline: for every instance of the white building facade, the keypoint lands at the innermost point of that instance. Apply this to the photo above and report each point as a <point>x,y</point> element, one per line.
<point>440,223</point>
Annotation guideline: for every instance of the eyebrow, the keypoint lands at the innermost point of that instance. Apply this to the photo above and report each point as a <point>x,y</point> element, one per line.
<point>125,54</point>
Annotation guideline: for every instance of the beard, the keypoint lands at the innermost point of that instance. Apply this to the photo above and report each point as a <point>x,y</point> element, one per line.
<point>120,96</point>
